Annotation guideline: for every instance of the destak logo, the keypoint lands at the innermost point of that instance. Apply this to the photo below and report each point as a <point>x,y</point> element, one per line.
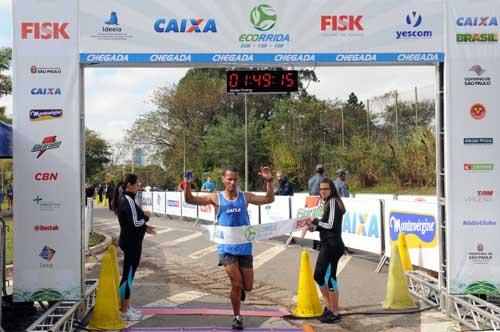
<point>185,25</point>
<point>477,79</point>
<point>478,111</point>
<point>342,23</point>
<point>46,176</point>
<point>413,20</point>
<point>48,143</point>
<point>45,30</point>
<point>46,228</point>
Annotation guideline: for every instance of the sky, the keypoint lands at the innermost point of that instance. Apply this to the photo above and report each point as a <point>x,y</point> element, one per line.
<point>115,97</point>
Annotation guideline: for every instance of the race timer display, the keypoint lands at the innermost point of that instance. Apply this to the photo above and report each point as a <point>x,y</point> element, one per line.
<point>262,81</point>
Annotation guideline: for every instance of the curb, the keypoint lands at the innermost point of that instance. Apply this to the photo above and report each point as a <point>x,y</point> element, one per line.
<point>95,250</point>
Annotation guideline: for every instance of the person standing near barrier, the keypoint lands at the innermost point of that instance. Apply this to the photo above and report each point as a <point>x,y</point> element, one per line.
<point>231,205</point>
<point>109,194</point>
<point>332,248</point>
<point>132,230</point>
<point>208,186</point>
<point>285,187</point>
<point>313,187</point>
<point>341,182</point>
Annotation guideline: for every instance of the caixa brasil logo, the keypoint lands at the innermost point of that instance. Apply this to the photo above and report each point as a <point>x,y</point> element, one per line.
<point>46,91</point>
<point>263,18</point>
<point>48,143</point>
<point>45,114</point>
<point>413,22</point>
<point>185,25</point>
<point>44,30</point>
<point>473,23</point>
<point>420,229</point>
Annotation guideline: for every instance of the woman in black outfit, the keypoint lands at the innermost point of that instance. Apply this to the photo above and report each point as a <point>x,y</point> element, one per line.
<point>332,248</point>
<point>132,229</point>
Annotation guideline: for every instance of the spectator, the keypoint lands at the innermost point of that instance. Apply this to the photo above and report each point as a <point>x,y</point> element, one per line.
<point>208,186</point>
<point>10,197</point>
<point>285,187</point>
<point>100,191</point>
<point>314,181</point>
<point>341,182</point>
<point>109,193</point>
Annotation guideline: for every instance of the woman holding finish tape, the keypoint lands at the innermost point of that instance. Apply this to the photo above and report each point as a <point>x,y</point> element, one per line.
<point>332,248</point>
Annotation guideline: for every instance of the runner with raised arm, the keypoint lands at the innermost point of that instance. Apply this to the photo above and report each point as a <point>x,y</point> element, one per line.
<point>231,206</point>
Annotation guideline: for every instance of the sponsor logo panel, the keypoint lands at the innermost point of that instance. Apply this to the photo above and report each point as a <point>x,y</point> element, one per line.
<point>45,70</point>
<point>263,18</point>
<point>478,167</point>
<point>45,114</point>
<point>479,79</point>
<point>419,229</point>
<point>172,203</point>
<point>46,91</point>
<point>111,29</point>
<point>44,30</point>
<point>185,25</point>
<point>480,196</point>
<point>480,255</point>
<point>46,205</point>
<point>46,228</point>
<point>478,140</point>
<point>478,111</point>
<point>46,176</point>
<point>471,24</point>
<point>48,143</point>
<point>413,30</point>
<point>47,254</point>
<point>479,222</point>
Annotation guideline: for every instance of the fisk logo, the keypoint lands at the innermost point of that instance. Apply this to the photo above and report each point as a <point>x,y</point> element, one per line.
<point>420,229</point>
<point>484,21</point>
<point>186,25</point>
<point>46,176</point>
<point>341,23</point>
<point>48,143</point>
<point>45,30</point>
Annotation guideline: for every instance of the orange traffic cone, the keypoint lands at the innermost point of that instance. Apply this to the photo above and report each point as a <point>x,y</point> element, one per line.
<point>106,314</point>
<point>308,304</point>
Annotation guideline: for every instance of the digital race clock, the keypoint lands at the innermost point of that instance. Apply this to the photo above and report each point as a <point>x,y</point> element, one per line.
<point>262,81</point>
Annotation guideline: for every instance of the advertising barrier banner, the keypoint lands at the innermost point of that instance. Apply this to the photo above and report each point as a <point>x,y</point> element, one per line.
<point>230,32</point>
<point>147,201</point>
<point>206,212</point>
<point>418,221</point>
<point>278,210</point>
<point>174,203</point>
<point>159,202</point>
<point>189,210</point>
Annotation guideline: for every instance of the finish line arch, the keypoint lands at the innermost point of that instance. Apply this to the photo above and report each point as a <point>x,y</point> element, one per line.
<point>53,44</point>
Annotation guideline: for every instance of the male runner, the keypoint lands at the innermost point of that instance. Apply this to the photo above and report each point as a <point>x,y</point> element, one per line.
<point>231,206</point>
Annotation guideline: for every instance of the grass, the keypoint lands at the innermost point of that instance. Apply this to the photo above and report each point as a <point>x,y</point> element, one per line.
<point>95,238</point>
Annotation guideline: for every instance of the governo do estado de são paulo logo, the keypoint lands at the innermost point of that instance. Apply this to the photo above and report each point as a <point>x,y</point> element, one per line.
<point>479,79</point>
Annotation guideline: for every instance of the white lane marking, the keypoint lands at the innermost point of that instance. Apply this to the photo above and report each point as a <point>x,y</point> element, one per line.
<point>107,222</point>
<point>180,240</point>
<point>203,252</point>
<point>343,263</point>
<point>172,301</point>
<point>108,227</point>
<point>162,231</point>
<point>267,255</point>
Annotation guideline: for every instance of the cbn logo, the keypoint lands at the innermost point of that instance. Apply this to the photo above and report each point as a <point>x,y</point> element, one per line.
<point>263,17</point>
<point>250,234</point>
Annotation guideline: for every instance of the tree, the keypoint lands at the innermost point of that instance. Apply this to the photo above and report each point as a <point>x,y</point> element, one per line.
<point>97,153</point>
<point>5,81</point>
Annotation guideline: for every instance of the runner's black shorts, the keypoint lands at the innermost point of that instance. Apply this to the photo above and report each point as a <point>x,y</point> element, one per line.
<point>244,261</point>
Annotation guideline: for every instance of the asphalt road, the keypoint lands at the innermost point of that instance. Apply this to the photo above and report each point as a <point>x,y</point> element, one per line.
<point>179,268</point>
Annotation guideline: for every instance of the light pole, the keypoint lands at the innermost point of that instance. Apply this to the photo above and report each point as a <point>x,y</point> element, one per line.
<point>246,144</point>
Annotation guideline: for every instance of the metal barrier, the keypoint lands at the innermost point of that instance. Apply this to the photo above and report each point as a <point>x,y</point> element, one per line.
<point>2,265</point>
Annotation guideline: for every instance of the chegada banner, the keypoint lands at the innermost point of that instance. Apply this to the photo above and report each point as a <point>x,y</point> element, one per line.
<point>47,134</point>
<point>236,31</point>
<point>472,156</point>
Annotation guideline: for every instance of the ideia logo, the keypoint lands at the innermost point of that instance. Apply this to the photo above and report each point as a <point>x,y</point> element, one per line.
<point>45,30</point>
<point>478,111</point>
<point>48,143</point>
<point>341,23</point>
<point>48,114</point>
<point>264,18</point>
<point>111,29</point>
<point>45,70</point>
<point>46,91</point>
<point>47,253</point>
<point>477,79</point>
<point>199,25</point>
<point>480,196</point>
<point>413,20</point>
<point>478,167</point>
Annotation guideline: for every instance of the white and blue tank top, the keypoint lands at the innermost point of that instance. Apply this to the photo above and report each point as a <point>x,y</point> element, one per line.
<point>233,213</point>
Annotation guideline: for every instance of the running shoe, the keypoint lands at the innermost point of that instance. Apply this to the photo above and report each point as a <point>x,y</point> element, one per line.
<point>131,316</point>
<point>135,310</point>
<point>237,323</point>
<point>330,318</point>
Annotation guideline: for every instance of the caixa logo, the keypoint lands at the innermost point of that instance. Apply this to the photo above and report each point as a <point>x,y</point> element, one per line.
<point>420,229</point>
<point>46,91</point>
<point>185,25</point>
<point>45,30</point>
<point>361,224</point>
<point>477,21</point>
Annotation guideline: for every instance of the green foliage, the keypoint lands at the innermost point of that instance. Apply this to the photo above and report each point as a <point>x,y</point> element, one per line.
<point>97,154</point>
<point>5,81</point>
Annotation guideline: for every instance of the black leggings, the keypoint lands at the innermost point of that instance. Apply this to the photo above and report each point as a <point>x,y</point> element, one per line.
<point>131,259</point>
<point>325,273</point>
